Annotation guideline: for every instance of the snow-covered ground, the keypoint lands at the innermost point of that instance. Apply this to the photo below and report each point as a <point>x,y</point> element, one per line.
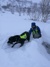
<point>33,53</point>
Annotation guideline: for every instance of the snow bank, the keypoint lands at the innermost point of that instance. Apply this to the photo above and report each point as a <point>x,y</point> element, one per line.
<point>33,53</point>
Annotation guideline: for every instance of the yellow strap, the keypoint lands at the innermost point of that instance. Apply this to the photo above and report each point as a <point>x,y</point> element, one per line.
<point>23,36</point>
<point>35,32</point>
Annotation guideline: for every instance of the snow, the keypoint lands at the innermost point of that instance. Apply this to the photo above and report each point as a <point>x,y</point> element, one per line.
<point>33,53</point>
<point>36,1</point>
<point>4,2</point>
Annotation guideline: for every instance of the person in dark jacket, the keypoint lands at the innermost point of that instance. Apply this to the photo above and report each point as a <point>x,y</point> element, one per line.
<point>35,31</point>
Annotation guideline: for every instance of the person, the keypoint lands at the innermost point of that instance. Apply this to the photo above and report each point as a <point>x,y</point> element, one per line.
<point>35,31</point>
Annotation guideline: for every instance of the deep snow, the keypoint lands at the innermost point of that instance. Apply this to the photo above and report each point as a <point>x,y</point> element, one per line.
<point>33,53</point>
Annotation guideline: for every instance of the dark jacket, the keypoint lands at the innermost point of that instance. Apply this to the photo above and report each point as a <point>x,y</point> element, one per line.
<point>34,29</point>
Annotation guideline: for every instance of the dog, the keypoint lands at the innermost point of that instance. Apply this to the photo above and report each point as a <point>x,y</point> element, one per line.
<point>17,39</point>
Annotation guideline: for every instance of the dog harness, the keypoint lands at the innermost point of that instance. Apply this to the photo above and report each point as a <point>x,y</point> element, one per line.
<point>23,36</point>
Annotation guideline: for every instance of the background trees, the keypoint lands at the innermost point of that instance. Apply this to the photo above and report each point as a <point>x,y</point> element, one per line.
<point>37,11</point>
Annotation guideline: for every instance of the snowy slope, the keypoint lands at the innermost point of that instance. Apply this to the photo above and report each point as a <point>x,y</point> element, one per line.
<point>33,53</point>
<point>3,2</point>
